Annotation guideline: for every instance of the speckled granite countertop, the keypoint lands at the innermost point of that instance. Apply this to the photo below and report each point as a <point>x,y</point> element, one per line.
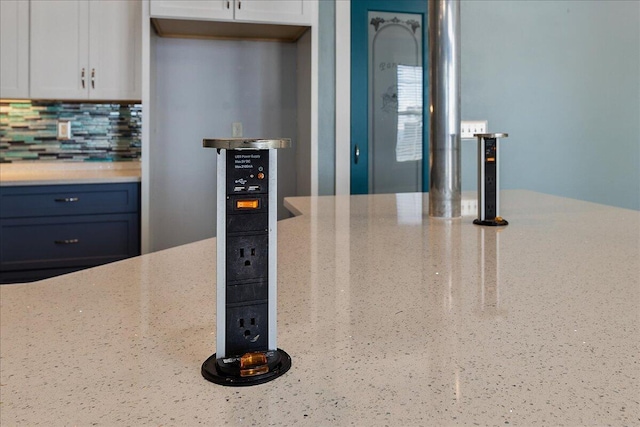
<point>391,318</point>
<point>51,173</point>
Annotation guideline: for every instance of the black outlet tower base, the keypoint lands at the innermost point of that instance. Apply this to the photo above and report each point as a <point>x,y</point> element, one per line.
<point>491,222</point>
<point>227,371</point>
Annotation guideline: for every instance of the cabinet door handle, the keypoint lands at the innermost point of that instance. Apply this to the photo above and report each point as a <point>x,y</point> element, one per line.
<point>66,241</point>
<point>239,5</point>
<point>356,154</point>
<point>93,78</point>
<point>82,76</point>
<point>227,5</point>
<point>67,199</point>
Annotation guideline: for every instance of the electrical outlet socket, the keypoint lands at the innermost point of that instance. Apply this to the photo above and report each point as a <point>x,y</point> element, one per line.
<point>236,129</point>
<point>247,257</point>
<point>470,127</point>
<point>247,328</point>
<point>64,129</point>
<point>469,206</point>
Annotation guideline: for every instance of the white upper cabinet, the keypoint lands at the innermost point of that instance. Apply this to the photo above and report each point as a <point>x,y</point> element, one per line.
<point>192,9</point>
<point>84,49</point>
<point>276,11</point>
<point>14,49</point>
<point>115,44</point>
<point>59,49</point>
<point>296,12</point>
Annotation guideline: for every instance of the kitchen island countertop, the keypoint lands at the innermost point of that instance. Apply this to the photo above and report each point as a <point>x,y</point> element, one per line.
<point>390,317</point>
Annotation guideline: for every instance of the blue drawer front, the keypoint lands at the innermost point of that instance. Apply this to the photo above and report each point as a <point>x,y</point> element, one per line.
<point>54,200</point>
<point>67,241</point>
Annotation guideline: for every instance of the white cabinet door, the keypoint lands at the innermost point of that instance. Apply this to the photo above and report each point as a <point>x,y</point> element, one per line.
<point>263,11</point>
<point>14,49</point>
<point>86,49</point>
<point>59,57</point>
<point>274,11</point>
<point>192,9</point>
<point>115,58</point>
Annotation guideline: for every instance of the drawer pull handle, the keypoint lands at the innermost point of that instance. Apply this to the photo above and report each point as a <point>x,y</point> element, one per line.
<point>67,199</point>
<point>66,242</point>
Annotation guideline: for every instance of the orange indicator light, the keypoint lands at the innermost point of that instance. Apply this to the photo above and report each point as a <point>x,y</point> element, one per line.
<point>247,204</point>
<point>253,364</point>
<point>260,175</point>
<point>254,371</point>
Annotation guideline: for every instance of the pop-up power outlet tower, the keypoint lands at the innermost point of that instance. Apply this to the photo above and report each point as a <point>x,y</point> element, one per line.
<point>489,179</point>
<point>246,291</point>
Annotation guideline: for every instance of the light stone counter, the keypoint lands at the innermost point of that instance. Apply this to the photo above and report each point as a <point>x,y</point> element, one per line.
<point>52,173</point>
<point>391,318</point>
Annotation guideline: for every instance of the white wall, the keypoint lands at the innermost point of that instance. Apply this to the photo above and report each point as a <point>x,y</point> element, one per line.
<point>303,142</point>
<point>561,77</point>
<point>200,88</point>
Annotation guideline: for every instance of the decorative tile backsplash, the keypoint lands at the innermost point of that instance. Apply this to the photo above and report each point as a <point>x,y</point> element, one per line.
<point>99,132</point>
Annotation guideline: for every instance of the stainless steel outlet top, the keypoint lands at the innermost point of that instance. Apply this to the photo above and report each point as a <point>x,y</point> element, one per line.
<point>491,135</point>
<point>246,143</point>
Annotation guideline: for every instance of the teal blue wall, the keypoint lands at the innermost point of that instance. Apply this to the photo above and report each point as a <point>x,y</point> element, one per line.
<point>563,79</point>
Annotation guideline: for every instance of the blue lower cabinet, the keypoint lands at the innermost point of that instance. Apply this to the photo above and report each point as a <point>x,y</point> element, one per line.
<point>66,228</point>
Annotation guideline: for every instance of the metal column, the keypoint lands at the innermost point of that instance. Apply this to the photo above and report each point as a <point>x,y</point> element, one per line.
<point>444,108</point>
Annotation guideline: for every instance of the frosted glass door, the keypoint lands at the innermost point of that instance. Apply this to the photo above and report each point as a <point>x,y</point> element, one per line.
<point>395,102</point>
<point>388,83</point>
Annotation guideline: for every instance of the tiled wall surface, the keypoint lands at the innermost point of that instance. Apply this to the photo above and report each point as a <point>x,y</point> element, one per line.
<point>99,132</point>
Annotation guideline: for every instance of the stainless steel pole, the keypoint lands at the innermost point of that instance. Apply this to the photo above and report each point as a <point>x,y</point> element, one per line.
<point>444,108</point>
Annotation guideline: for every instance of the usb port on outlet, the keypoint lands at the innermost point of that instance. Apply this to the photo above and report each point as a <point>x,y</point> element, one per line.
<point>240,188</point>
<point>254,188</point>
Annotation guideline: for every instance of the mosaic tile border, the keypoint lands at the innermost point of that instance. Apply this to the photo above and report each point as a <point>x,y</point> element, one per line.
<point>99,132</point>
